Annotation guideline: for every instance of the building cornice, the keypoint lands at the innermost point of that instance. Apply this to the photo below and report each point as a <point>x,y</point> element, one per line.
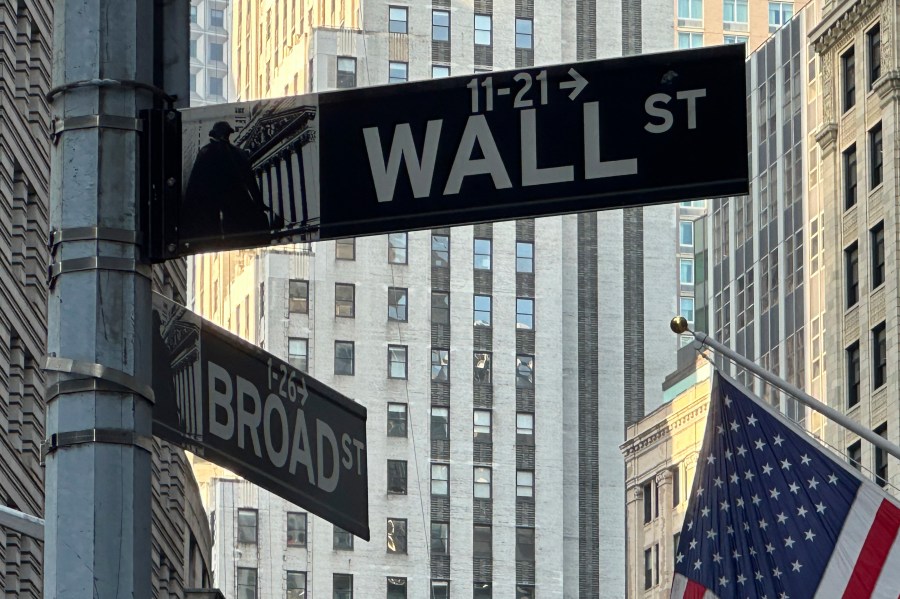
<point>839,23</point>
<point>663,429</point>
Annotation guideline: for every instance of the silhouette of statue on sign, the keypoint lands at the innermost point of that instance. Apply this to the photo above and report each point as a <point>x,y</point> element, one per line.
<point>222,195</point>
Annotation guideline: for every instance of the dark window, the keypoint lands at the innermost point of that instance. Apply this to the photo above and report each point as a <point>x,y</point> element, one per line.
<point>524,313</point>
<point>881,464</point>
<point>676,486</point>
<point>216,86</point>
<point>397,16</point>
<point>396,535</point>
<point>647,492</point>
<point>298,297</point>
<point>524,544</point>
<point>216,51</point>
<point>876,156</point>
<point>343,357</point>
<point>848,69</point>
<point>440,424</point>
<point>440,307</point>
<point>850,177</point>
<point>854,455</point>
<point>247,524</point>
<point>873,39</point>
<point>246,583</point>
<point>397,248</point>
<point>296,529</point>
<point>879,356</point>
<point>524,591</point>
<point>396,477</point>
<point>343,586</point>
<point>481,372</point>
<point>440,251</point>
<point>482,311</point>
<point>525,372</point>
<point>397,361</point>
<point>853,376</point>
<point>877,236</point>
<point>481,590</point>
<point>396,588</point>
<point>440,365</point>
<point>440,590</point>
<point>440,538</point>
<point>345,249</point>
<point>346,72</point>
<point>344,300</point>
<point>851,261</point>
<point>440,25</point>
<point>193,17</point>
<point>397,303</point>
<point>482,250</point>
<point>676,539</point>
<point>524,256</point>
<point>343,540</point>
<point>648,568</point>
<point>396,422</point>
<point>296,585</point>
<point>481,541</point>
<point>216,17</point>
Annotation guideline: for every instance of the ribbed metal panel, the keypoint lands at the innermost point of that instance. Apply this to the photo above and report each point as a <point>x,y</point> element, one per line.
<point>525,574</point>
<point>524,57</point>
<point>483,453</point>
<point>524,341</point>
<point>440,508</point>
<point>525,511</point>
<point>524,457</point>
<point>484,57</point>
<point>398,47</point>
<point>440,449</point>
<point>482,569</point>
<point>524,400</point>
<point>483,282</point>
<point>440,51</point>
<point>482,511</point>
<point>482,395</point>
<point>483,338</point>
<point>440,394</point>
<point>440,567</point>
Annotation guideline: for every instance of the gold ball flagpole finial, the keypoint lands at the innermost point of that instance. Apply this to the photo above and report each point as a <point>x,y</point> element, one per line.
<point>679,325</point>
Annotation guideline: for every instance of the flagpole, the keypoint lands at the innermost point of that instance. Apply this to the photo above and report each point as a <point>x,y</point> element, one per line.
<point>679,326</point>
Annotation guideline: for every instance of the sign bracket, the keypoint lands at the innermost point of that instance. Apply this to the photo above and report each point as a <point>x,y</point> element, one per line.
<point>100,372</point>
<point>112,436</point>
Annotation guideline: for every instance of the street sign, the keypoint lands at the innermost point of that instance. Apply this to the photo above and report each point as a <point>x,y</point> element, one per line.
<point>501,145</point>
<point>244,409</point>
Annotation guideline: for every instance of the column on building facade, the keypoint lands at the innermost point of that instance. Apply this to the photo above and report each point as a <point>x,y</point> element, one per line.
<point>634,518</point>
<point>663,525</point>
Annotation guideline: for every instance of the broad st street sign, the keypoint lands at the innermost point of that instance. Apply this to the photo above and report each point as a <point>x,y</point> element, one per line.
<point>531,142</point>
<point>246,410</point>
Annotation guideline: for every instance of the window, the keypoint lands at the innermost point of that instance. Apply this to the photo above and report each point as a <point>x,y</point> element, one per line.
<point>346,74</point>
<point>524,34</point>
<point>345,249</point>
<point>440,365</point>
<point>734,11</point>
<point>440,307</point>
<point>481,372</point>
<point>851,260</point>
<point>876,156</point>
<point>396,588</point>
<point>676,539</point>
<point>246,583</point>
<point>298,353</point>
<point>440,25</point>
<point>216,51</point>
<point>396,535</point>
<point>398,72</point>
<point>482,248</point>
<point>648,568</point>
<point>482,482</point>
<point>524,313</point>
<point>396,421</point>
<point>344,304</point>
<point>216,86</point>
<point>482,545</point>
<point>440,479</point>
<point>440,251</point>
<point>647,494</point>
<point>736,39</point>
<point>881,464</point>
<point>693,204</point>
<point>854,455</point>
<point>676,486</point>
<point>779,14</point>
<point>343,540</point>
<point>397,16</point>
<point>216,17</point>
<point>481,426</point>
<point>193,83</point>
<point>343,586</point>
<point>192,49</point>
<point>689,40</point>
<point>397,244</point>
<point>440,423</point>
<point>482,315</point>
<point>873,43</point>
<point>343,357</point>
<point>877,237</point>
<point>397,301</point>
<point>853,375</point>
<point>686,270</point>
<point>524,591</point>
<point>524,483</point>
<point>686,233</point>
<point>296,529</point>
<point>296,585</point>
<point>848,74</point>
<point>247,526</point>
<point>440,539</point>
<point>690,9</point>
<point>439,71</point>
<point>686,305</point>
<point>525,372</point>
<point>193,14</point>
<point>524,428</point>
<point>397,361</point>
<point>524,544</point>
<point>849,160</point>
<point>481,590</point>
<point>879,356</point>
<point>524,256</point>
<point>396,477</point>
<point>298,297</point>
<point>482,30</point>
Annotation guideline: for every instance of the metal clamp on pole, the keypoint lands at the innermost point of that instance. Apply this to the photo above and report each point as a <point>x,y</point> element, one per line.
<point>96,263</point>
<point>112,436</point>
<point>59,236</point>
<point>102,373</point>
<point>96,121</point>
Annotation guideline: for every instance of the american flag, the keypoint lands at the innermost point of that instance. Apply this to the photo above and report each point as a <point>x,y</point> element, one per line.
<point>773,516</point>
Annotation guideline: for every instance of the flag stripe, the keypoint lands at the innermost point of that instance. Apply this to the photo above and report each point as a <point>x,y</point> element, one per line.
<point>694,590</point>
<point>886,588</point>
<point>682,588</point>
<point>850,542</point>
<point>874,552</point>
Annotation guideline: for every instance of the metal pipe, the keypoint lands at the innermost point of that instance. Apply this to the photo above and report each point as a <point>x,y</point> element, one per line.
<point>679,326</point>
<point>21,522</point>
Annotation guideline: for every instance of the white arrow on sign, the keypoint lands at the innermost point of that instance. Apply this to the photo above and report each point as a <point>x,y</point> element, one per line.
<point>577,84</point>
<point>301,389</point>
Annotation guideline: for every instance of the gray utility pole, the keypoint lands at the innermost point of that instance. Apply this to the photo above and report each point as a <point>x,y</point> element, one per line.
<point>97,512</point>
